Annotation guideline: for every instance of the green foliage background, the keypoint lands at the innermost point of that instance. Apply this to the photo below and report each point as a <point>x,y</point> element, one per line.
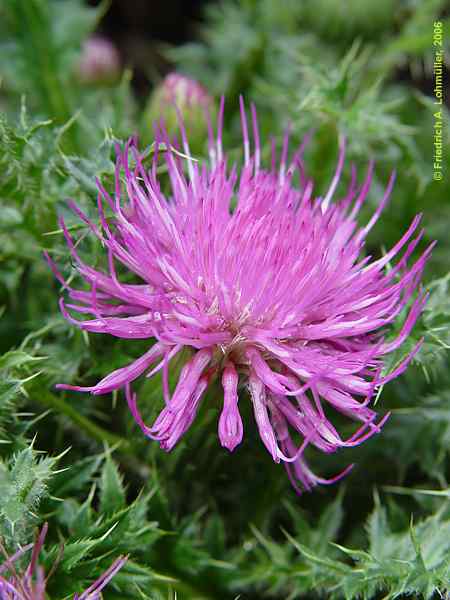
<point>200,523</point>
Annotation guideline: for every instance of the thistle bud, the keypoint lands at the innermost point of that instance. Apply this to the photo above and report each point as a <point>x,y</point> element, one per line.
<point>190,98</point>
<point>99,62</point>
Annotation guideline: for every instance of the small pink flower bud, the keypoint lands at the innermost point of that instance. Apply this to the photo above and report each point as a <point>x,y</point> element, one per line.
<point>99,62</point>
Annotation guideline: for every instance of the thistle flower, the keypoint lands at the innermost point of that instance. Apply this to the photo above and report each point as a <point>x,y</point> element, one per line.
<point>263,282</point>
<point>31,583</point>
<point>99,62</point>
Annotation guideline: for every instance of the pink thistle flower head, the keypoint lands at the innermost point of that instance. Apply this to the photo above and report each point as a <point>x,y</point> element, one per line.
<point>31,583</point>
<point>263,281</point>
<point>99,61</point>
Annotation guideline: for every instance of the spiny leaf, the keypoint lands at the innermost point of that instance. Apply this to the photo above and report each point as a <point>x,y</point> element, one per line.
<point>23,485</point>
<point>112,492</point>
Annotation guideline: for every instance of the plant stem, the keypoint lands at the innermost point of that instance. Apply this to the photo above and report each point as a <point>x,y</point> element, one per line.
<point>94,430</point>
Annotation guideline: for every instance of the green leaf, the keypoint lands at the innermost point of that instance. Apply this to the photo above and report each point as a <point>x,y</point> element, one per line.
<point>16,358</point>
<point>112,492</point>
<point>75,552</point>
<point>24,483</point>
